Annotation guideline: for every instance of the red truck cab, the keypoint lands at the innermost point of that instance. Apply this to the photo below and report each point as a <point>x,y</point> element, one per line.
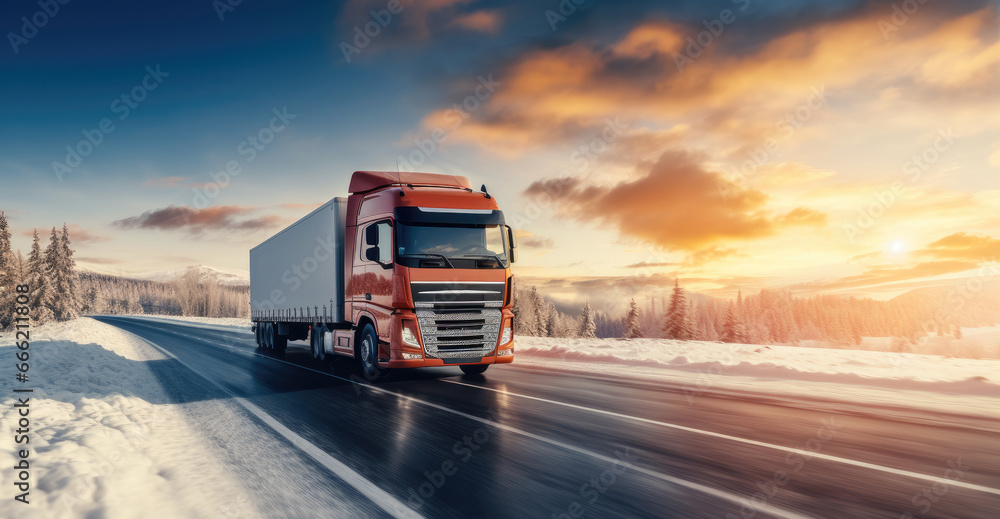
<point>427,268</point>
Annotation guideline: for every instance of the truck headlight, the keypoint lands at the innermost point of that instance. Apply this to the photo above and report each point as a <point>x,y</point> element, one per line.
<point>409,337</point>
<point>507,334</point>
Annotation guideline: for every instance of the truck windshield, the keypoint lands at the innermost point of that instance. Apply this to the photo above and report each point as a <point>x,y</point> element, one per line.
<point>481,246</point>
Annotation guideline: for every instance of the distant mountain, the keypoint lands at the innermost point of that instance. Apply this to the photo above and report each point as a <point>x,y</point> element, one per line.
<point>969,301</point>
<point>227,277</point>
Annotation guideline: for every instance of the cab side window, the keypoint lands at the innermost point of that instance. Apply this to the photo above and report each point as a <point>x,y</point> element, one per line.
<point>378,243</point>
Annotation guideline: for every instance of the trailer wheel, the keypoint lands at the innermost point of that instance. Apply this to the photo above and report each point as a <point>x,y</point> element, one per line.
<point>268,336</point>
<point>368,353</point>
<point>279,342</point>
<point>316,342</point>
<point>474,369</point>
<point>256,334</point>
<point>319,342</point>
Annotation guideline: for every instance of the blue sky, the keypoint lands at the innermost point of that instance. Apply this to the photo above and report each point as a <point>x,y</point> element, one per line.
<point>889,87</point>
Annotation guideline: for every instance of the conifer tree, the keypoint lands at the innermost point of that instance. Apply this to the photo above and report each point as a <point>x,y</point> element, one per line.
<point>632,327</point>
<point>587,329</point>
<point>551,321</point>
<point>40,283</point>
<point>8,280</point>
<point>677,325</point>
<point>59,266</point>
<point>541,313</point>
<point>70,279</point>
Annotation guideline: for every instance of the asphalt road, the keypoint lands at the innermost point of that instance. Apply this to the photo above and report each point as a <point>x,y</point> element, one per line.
<point>519,442</point>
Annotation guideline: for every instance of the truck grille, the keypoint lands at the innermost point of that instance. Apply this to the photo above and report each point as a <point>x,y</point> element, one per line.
<point>459,329</point>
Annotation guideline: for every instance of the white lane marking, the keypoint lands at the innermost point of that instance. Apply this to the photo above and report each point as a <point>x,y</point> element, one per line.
<point>846,461</point>
<point>721,494</point>
<point>383,499</point>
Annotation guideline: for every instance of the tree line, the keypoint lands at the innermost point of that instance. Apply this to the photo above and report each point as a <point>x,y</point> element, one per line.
<point>58,292</point>
<point>768,317</point>
<point>54,287</point>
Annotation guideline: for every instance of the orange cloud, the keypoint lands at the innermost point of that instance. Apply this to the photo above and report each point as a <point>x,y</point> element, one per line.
<point>488,21</point>
<point>964,246</point>
<point>530,239</point>
<point>552,94</point>
<point>677,205</point>
<point>226,217</point>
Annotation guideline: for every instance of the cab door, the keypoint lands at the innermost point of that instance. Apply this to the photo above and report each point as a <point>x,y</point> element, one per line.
<point>377,260</point>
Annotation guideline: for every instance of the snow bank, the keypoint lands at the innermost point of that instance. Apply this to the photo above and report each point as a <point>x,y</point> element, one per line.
<point>897,379</point>
<point>105,441</point>
<point>232,323</point>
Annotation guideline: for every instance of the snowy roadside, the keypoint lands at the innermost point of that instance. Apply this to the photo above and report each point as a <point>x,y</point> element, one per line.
<point>104,440</point>
<point>228,323</point>
<point>894,380</point>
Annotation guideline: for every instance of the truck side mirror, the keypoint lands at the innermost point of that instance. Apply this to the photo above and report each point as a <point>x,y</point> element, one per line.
<point>372,253</point>
<point>513,244</point>
<point>371,235</point>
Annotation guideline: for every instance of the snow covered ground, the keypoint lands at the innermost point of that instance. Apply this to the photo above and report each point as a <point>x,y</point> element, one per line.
<point>104,441</point>
<point>235,323</point>
<point>898,380</point>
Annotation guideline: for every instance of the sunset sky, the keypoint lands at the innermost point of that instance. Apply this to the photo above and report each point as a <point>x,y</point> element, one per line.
<point>843,147</point>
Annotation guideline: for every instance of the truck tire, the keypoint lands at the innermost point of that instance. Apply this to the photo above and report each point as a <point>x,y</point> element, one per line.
<point>316,342</point>
<point>268,336</point>
<point>368,354</point>
<point>280,342</point>
<point>256,334</point>
<point>474,369</point>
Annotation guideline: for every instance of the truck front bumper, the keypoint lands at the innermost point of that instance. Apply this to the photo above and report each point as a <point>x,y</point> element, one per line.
<point>428,362</point>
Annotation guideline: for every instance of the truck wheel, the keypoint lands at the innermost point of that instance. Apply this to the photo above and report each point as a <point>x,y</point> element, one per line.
<point>256,334</point>
<point>280,342</point>
<point>368,353</point>
<point>313,331</point>
<point>321,350</point>
<point>474,369</point>
<point>316,342</point>
<point>268,336</point>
